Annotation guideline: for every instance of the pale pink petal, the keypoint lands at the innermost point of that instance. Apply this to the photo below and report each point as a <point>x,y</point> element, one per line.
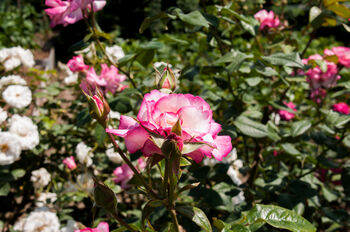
<point>195,121</point>
<point>224,147</point>
<point>103,227</point>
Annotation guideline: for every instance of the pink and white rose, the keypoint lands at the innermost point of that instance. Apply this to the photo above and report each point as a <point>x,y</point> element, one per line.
<point>159,113</point>
<point>76,64</point>
<point>267,19</point>
<point>71,11</point>
<point>110,80</point>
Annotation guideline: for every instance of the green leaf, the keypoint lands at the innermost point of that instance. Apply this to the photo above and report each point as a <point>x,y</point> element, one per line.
<point>250,128</point>
<point>189,147</point>
<point>267,71</point>
<point>4,189</point>
<point>188,187</point>
<point>196,215</point>
<point>105,197</point>
<point>148,20</point>
<point>299,128</point>
<point>194,18</point>
<point>328,193</point>
<point>290,60</point>
<point>18,173</point>
<point>340,10</point>
<point>346,27</point>
<point>149,208</point>
<point>290,149</point>
<point>277,217</point>
<point>253,81</point>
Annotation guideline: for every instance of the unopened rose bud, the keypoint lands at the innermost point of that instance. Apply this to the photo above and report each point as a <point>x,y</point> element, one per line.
<point>167,79</point>
<point>99,107</point>
<point>70,163</point>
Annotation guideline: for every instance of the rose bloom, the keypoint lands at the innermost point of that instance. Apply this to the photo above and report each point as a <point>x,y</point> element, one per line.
<point>267,19</point>
<point>102,227</point>
<point>76,64</point>
<point>71,11</point>
<point>341,107</point>
<point>158,114</point>
<point>70,163</point>
<point>109,80</point>
<point>124,173</point>
<point>318,78</point>
<point>343,54</point>
<point>286,115</point>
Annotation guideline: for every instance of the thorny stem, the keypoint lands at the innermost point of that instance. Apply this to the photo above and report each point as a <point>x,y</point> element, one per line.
<point>128,162</point>
<point>175,221</point>
<point>312,35</point>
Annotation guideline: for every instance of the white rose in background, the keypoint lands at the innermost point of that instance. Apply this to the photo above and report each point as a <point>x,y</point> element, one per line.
<point>114,115</point>
<point>70,227</point>
<point>17,96</point>
<point>41,219</point>
<point>10,148</point>
<point>15,56</point>
<point>3,115</point>
<point>71,78</point>
<point>12,80</point>
<point>113,155</point>
<point>84,154</point>
<point>26,131</point>
<point>40,178</point>
<point>115,53</point>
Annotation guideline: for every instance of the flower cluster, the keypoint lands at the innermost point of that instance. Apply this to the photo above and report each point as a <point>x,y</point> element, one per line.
<point>71,11</point>
<point>12,58</point>
<point>267,19</point>
<point>160,112</point>
<point>109,80</point>
<point>342,53</point>
<point>22,133</point>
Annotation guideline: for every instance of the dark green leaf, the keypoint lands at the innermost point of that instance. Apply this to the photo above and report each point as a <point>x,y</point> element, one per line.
<point>299,128</point>
<point>196,215</point>
<point>290,59</point>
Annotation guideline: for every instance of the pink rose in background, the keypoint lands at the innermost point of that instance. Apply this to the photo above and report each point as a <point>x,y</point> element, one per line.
<point>71,11</point>
<point>267,19</point>
<point>70,163</point>
<point>341,107</point>
<point>124,173</point>
<point>158,114</point>
<point>343,54</point>
<point>76,64</point>
<point>102,227</point>
<point>285,115</point>
<point>108,81</point>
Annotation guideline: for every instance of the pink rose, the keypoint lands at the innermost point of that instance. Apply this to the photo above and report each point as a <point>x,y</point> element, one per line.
<point>341,107</point>
<point>69,12</point>
<point>267,19</point>
<point>124,173</point>
<point>102,227</point>
<point>70,163</point>
<point>318,78</point>
<point>286,115</point>
<point>108,81</point>
<point>76,64</point>
<point>343,54</point>
<point>159,113</point>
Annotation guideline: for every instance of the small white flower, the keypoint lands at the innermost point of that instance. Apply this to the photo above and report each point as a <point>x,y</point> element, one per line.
<point>10,148</point>
<point>3,115</point>
<point>113,155</point>
<point>84,182</point>
<point>42,220</point>
<point>84,154</point>
<point>26,131</point>
<point>114,115</point>
<point>40,178</point>
<point>115,53</point>
<point>19,224</point>
<point>46,199</point>
<point>70,227</point>
<point>12,80</point>
<point>17,96</point>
